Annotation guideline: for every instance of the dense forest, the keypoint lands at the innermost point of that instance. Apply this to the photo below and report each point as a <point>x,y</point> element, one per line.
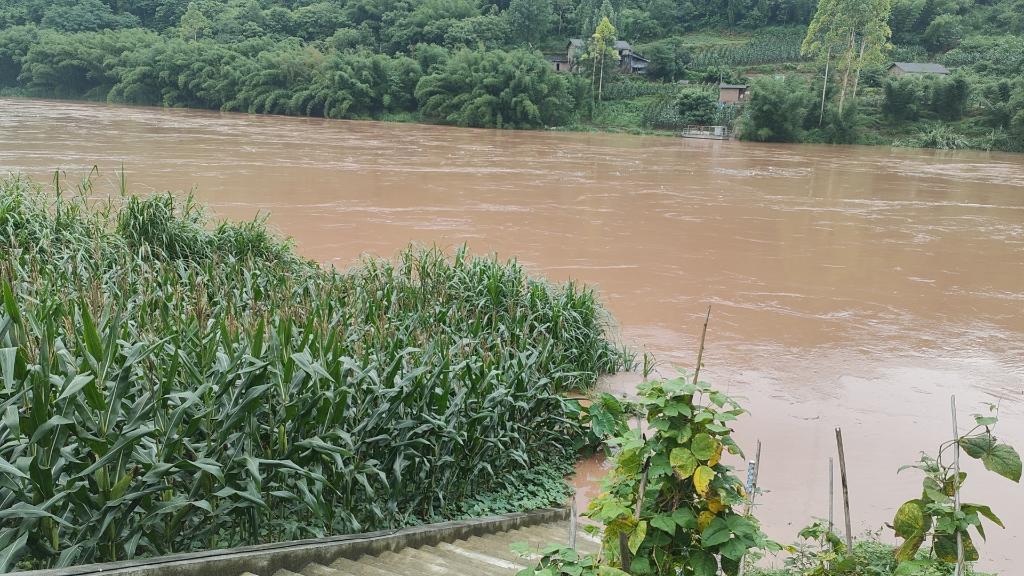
<point>488,63</point>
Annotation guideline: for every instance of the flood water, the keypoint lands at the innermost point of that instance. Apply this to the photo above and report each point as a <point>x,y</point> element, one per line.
<point>849,286</point>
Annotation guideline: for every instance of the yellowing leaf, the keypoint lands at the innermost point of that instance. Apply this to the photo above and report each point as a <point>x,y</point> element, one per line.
<point>637,537</point>
<point>683,462</point>
<point>911,520</point>
<point>704,519</point>
<point>702,479</point>
<point>716,457</point>
<point>704,446</point>
<point>715,505</point>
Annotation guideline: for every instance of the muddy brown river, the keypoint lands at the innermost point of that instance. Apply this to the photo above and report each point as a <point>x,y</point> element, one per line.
<point>850,286</point>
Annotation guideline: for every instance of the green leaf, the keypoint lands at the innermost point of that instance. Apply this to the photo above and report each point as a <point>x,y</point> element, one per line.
<point>685,518</point>
<point>913,567</point>
<point>911,520</point>
<point>8,468</point>
<point>1003,460</point>
<point>7,360</point>
<point>944,546</point>
<point>703,446</point>
<point>609,571</point>
<point>9,555</point>
<point>664,523</point>
<point>637,537</point>
<point>984,511</point>
<point>683,462</point>
<point>909,548</point>
<point>977,446</point>
<point>716,533</point>
<point>77,383</point>
<point>733,549</point>
<point>24,510</point>
<point>703,564</point>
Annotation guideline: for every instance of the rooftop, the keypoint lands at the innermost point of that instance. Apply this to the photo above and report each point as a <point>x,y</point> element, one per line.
<point>921,67</point>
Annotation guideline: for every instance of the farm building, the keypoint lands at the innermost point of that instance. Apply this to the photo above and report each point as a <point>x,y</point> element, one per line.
<point>904,68</point>
<point>629,61</point>
<point>560,62</point>
<point>732,93</point>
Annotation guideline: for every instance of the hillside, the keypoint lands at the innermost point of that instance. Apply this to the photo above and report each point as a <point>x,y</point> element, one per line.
<point>490,64</point>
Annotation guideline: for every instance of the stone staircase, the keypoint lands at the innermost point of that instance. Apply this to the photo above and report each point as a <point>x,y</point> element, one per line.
<point>483,555</point>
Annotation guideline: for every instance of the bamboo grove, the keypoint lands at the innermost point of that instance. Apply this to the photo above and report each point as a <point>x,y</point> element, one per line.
<point>167,385</point>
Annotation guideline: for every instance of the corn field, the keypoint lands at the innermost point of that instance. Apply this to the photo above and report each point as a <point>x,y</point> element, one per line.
<point>168,386</point>
<point>769,46</point>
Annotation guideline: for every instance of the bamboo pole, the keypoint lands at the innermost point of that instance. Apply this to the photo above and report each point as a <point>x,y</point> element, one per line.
<point>700,351</point>
<point>755,468</point>
<point>824,86</point>
<point>572,524</point>
<point>846,490</point>
<point>956,489</point>
<point>831,493</point>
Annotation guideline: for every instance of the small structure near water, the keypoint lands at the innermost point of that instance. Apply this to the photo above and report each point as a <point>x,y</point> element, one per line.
<point>732,93</point>
<point>707,132</point>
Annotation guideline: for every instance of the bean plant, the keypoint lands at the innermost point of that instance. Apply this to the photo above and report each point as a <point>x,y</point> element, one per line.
<point>936,515</point>
<point>669,505</point>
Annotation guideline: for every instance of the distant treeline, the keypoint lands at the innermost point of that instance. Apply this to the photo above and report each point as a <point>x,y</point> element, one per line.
<point>475,88</point>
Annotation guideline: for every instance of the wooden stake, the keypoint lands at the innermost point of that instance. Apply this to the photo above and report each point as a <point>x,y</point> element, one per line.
<point>956,489</point>
<point>700,351</point>
<point>846,490</point>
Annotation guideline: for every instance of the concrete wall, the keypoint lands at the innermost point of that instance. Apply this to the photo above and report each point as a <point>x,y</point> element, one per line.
<point>267,558</point>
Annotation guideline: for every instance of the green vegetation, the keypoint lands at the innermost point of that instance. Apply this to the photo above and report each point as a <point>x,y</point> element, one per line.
<point>481,62</point>
<point>670,504</point>
<point>671,507</point>
<point>167,385</point>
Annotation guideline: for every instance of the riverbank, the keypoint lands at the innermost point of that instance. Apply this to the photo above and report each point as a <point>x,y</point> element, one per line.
<point>851,286</point>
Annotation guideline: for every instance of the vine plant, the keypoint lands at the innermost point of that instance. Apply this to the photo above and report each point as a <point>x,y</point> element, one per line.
<point>668,505</point>
<point>935,513</point>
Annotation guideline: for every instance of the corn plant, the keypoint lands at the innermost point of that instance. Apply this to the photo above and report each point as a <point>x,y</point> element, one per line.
<point>167,385</point>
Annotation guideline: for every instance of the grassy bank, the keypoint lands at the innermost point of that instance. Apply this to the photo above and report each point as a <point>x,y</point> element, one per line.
<point>169,384</point>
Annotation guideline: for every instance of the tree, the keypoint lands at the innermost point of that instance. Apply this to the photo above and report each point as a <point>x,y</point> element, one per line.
<point>601,52</point>
<point>776,110</point>
<point>944,33</point>
<point>903,98</point>
<point>696,105</point>
<point>531,20</point>
<point>669,58</point>
<point>836,27</point>
<point>85,15</point>
<point>496,89</point>
<point>194,24</point>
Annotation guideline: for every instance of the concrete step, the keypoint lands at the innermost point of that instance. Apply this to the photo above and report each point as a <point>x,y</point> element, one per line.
<point>487,555</point>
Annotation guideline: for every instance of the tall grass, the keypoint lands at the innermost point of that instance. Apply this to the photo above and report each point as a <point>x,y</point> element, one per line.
<point>167,385</point>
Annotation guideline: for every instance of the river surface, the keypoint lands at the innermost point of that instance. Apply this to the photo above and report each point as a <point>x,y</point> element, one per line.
<point>849,286</point>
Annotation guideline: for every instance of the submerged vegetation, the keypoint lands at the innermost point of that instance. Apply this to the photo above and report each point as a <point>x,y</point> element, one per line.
<point>168,386</point>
